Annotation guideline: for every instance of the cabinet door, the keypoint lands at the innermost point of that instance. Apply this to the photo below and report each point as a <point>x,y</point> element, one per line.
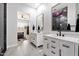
<point>76,49</point>
<point>67,48</point>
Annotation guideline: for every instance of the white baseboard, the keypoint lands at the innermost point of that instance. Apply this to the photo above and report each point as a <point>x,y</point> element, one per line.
<point>11,46</point>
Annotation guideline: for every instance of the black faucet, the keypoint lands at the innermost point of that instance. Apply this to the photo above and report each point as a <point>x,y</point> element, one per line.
<point>59,31</point>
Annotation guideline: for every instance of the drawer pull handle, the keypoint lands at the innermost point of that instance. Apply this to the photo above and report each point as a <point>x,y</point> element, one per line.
<point>60,52</point>
<point>47,46</point>
<point>53,41</point>
<point>45,39</point>
<point>65,46</point>
<point>52,52</point>
<point>53,47</point>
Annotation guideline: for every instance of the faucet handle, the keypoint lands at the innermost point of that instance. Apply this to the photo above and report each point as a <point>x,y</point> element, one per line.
<point>57,34</point>
<point>63,35</point>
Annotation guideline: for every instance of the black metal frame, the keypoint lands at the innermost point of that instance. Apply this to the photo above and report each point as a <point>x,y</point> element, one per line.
<point>5,26</point>
<point>5,29</point>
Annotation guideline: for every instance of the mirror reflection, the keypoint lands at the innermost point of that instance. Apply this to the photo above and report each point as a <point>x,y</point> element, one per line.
<point>65,18</point>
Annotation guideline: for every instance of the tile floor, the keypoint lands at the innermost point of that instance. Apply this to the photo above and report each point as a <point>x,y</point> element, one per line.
<point>24,48</point>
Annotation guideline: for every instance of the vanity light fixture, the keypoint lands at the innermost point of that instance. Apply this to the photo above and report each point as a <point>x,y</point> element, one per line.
<point>23,15</point>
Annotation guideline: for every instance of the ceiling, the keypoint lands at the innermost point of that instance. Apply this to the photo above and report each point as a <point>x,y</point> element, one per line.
<point>33,5</point>
<point>36,5</point>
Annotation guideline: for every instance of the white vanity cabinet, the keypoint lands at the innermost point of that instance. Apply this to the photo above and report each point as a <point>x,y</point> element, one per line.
<point>66,48</point>
<point>59,47</point>
<point>36,39</point>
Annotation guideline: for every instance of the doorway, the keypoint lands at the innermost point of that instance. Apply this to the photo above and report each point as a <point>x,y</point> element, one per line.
<point>22,26</point>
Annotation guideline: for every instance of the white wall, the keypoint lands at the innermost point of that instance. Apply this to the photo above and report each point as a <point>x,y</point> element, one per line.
<point>72,15</point>
<point>11,25</point>
<point>77,6</point>
<point>12,9</point>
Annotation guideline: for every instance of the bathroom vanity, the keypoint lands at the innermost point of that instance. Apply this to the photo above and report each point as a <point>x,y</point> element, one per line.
<point>60,46</point>
<point>36,39</point>
<point>63,19</point>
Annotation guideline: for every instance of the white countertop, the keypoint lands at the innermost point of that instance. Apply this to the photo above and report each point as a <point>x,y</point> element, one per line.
<point>70,39</point>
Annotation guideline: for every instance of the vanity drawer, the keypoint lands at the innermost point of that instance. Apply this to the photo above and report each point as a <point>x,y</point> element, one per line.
<point>53,53</point>
<point>53,43</point>
<point>53,47</point>
<point>53,40</point>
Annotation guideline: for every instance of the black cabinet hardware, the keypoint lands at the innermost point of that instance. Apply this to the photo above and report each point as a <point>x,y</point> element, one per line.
<point>59,52</point>
<point>65,46</point>
<point>53,47</point>
<point>53,52</point>
<point>45,39</point>
<point>53,41</point>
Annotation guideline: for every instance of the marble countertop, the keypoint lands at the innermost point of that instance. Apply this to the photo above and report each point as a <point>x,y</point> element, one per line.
<point>70,39</point>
